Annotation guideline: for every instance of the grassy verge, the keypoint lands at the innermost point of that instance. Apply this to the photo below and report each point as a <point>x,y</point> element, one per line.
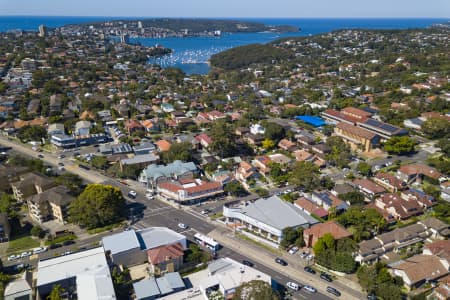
<point>61,239</point>
<point>21,244</point>
<point>105,228</point>
<point>216,216</point>
<point>259,244</point>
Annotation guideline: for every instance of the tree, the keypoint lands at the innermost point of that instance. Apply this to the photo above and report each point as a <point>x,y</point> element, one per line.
<point>376,279</point>
<point>399,145</point>
<point>223,139</point>
<point>436,128</point>
<point>305,175</point>
<point>255,289</point>
<point>362,222</point>
<point>274,132</point>
<point>98,205</point>
<point>179,151</point>
<point>37,231</point>
<point>55,293</point>
<point>235,188</point>
<point>353,197</point>
<point>332,254</point>
<point>444,144</point>
<point>364,168</point>
<point>340,154</point>
<point>72,181</point>
<point>268,144</point>
<point>99,162</point>
<point>122,282</point>
<point>32,133</point>
<point>292,236</point>
<point>7,204</point>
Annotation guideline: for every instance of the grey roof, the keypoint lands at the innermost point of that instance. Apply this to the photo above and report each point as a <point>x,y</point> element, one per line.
<point>144,146</point>
<point>19,286</point>
<point>178,167</point>
<point>138,159</point>
<point>146,288</point>
<point>115,148</point>
<point>159,236</point>
<point>175,281</point>
<point>277,213</point>
<point>121,242</point>
<point>164,286</point>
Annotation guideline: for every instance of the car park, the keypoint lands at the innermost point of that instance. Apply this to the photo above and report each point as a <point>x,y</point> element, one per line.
<point>310,289</point>
<point>326,277</point>
<point>247,263</point>
<point>281,261</point>
<point>182,226</point>
<point>293,250</point>
<point>309,270</point>
<point>333,291</point>
<point>293,285</point>
<point>132,194</point>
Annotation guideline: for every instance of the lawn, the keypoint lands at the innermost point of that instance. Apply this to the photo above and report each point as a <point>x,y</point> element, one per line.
<point>21,244</point>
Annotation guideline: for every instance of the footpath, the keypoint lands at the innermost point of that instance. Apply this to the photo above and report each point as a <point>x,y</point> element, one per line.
<point>294,270</point>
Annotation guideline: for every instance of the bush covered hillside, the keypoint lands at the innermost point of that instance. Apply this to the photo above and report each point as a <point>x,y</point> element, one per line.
<point>245,56</point>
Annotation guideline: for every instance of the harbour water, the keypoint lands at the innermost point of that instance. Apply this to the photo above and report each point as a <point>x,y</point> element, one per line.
<point>191,53</point>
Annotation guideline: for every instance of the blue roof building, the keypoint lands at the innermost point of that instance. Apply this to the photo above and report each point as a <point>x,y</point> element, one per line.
<point>311,120</point>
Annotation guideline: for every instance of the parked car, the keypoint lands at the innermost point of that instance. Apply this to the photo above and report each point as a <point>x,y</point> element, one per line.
<point>247,263</point>
<point>304,254</point>
<point>326,277</point>
<point>132,194</point>
<point>69,242</point>
<point>13,257</point>
<point>293,285</point>
<point>333,291</point>
<point>310,289</point>
<point>61,164</point>
<point>206,211</point>
<point>372,297</point>
<point>54,246</point>
<point>40,156</point>
<point>182,226</point>
<point>281,261</point>
<point>61,156</point>
<point>293,250</point>
<point>39,250</point>
<point>26,254</point>
<point>309,270</point>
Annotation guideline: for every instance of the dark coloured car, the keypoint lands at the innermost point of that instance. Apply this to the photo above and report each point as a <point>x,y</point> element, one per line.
<point>281,261</point>
<point>54,246</point>
<point>333,291</point>
<point>326,277</point>
<point>40,156</point>
<point>309,270</point>
<point>67,243</point>
<point>372,297</point>
<point>247,263</point>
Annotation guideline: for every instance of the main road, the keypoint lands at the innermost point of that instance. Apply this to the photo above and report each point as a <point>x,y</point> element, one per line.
<point>158,213</point>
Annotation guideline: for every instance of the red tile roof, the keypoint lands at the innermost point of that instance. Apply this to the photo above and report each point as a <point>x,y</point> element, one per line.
<point>163,145</point>
<point>358,131</point>
<point>319,230</point>
<point>415,169</point>
<point>369,185</point>
<point>165,253</point>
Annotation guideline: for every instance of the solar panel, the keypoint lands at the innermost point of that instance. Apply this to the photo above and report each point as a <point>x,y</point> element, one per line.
<point>389,128</point>
<point>373,122</point>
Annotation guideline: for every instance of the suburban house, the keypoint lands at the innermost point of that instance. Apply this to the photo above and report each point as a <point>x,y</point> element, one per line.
<point>442,292</point>
<point>152,175</point>
<point>314,233</point>
<point>311,208</point>
<point>416,173</point>
<point>165,258</point>
<point>262,164</point>
<point>287,145</point>
<point>372,250</point>
<point>420,269</point>
<point>188,190</point>
<point>356,137</point>
<point>20,288</point>
<point>140,161</point>
<point>163,145</point>
<point>156,288</point>
<point>327,200</point>
<point>50,204</point>
<point>144,148</point>
<point>82,128</point>
<point>30,184</point>
<point>268,217</point>
<point>130,247</point>
<point>370,189</point>
<point>204,140</point>
<point>425,201</point>
<point>389,182</point>
<point>132,125</point>
<point>397,207</point>
<point>245,172</point>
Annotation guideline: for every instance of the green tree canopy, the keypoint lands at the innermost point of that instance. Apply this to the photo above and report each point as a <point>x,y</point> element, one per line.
<point>305,175</point>
<point>235,188</point>
<point>31,133</point>
<point>353,197</point>
<point>55,293</point>
<point>98,205</point>
<point>364,168</point>
<point>255,289</point>
<point>274,131</point>
<point>178,151</point>
<point>362,222</point>
<point>340,152</point>
<point>223,139</point>
<point>436,128</point>
<point>399,145</point>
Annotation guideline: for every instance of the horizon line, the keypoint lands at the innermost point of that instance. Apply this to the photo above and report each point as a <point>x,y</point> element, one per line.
<point>205,17</point>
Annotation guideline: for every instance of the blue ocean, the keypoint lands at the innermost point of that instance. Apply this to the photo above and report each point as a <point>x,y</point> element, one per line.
<point>191,54</point>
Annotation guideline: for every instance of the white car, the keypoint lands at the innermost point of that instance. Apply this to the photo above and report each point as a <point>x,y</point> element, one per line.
<point>293,285</point>
<point>310,289</point>
<point>13,257</point>
<point>182,225</point>
<point>26,253</point>
<point>132,194</point>
<point>149,196</point>
<point>39,250</point>
<point>293,250</point>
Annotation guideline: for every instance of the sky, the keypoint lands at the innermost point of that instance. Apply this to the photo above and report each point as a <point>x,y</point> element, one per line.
<point>231,8</point>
